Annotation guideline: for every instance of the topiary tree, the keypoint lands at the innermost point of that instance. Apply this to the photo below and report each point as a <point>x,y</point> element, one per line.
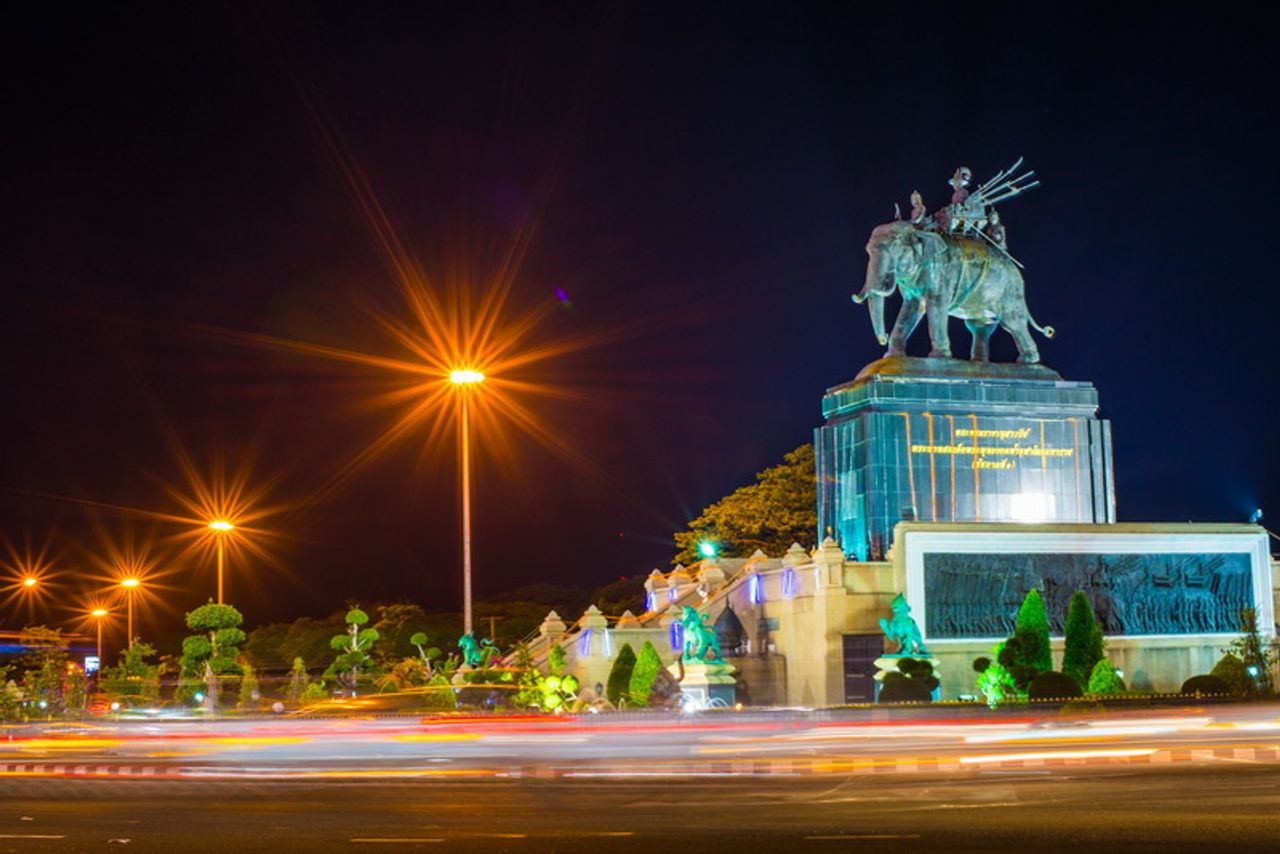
<point>1033,624</point>
<point>1205,685</point>
<point>298,681</point>
<point>1104,680</point>
<point>646,670</point>
<point>1230,669</point>
<point>1026,654</point>
<point>912,682</point>
<point>994,681</point>
<point>427,656</point>
<point>353,650</point>
<point>1053,685</point>
<point>210,655</point>
<point>1084,644</point>
<point>619,682</point>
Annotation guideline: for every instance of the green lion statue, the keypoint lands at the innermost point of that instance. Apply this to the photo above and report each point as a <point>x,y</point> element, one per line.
<point>902,629</point>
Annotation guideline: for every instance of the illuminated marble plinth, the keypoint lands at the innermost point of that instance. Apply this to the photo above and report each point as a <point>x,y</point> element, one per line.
<point>949,440</point>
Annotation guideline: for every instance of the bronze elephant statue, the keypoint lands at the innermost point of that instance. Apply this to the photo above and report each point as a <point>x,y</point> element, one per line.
<point>941,276</point>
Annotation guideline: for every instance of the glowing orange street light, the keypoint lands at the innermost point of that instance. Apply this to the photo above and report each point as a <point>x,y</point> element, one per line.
<point>30,581</point>
<point>130,584</point>
<point>221,527</point>
<point>99,614</point>
<point>464,379</point>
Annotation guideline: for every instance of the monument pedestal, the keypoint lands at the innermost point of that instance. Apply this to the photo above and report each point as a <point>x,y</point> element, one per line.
<point>949,440</point>
<point>706,684</point>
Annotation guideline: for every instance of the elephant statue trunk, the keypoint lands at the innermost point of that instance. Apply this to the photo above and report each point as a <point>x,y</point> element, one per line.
<point>877,286</point>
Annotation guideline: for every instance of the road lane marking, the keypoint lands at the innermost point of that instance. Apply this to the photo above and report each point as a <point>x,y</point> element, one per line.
<point>831,836</point>
<point>1054,754</point>
<point>380,840</point>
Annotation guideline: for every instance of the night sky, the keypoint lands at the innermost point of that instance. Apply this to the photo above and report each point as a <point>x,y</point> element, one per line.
<point>699,182</point>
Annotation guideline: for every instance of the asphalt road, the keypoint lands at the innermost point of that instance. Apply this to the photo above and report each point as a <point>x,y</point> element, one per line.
<point>1217,808</point>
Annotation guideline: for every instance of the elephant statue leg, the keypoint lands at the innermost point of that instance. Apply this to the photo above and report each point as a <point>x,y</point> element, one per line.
<point>981,332</point>
<point>936,311</point>
<point>908,319</point>
<point>1028,353</point>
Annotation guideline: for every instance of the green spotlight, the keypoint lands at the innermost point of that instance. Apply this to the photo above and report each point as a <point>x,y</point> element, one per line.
<point>708,549</point>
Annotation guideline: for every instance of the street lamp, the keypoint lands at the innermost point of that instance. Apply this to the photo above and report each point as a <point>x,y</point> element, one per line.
<point>464,379</point>
<point>99,614</point>
<point>30,581</point>
<point>220,528</point>
<point>130,585</point>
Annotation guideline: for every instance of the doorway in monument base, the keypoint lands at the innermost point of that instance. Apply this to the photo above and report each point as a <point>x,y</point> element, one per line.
<point>860,654</point>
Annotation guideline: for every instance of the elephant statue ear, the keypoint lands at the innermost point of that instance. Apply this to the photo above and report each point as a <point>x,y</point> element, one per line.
<point>931,245</point>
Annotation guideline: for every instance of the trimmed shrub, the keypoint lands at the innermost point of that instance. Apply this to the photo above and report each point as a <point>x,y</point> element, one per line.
<point>1230,669</point>
<point>642,676</point>
<point>1033,626</point>
<point>897,688</point>
<point>619,683</point>
<point>1083,648</point>
<point>1104,680</point>
<point>981,663</point>
<point>1205,685</point>
<point>1053,685</point>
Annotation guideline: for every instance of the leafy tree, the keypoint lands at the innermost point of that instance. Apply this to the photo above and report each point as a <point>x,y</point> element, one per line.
<point>315,692</point>
<point>212,654</point>
<point>1104,680</point>
<point>44,666</point>
<point>134,675</point>
<point>646,670</point>
<point>10,695</point>
<point>439,694</point>
<point>555,660</point>
<point>619,681</point>
<point>353,648</point>
<point>777,510</point>
<point>1083,648</point>
<point>308,638</point>
<point>298,681</point>
<point>249,694</point>
<point>1258,661</point>
<point>1230,669</point>
<point>396,625</point>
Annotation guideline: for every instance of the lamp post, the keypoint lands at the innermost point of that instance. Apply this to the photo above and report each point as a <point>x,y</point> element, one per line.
<point>99,614</point>
<point>220,528</point>
<point>464,380</point>
<point>130,584</point>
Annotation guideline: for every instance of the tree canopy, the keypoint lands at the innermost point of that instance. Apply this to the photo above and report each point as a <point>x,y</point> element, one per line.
<point>779,509</point>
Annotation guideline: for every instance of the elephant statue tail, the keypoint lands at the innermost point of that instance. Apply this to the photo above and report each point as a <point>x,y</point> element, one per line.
<point>1046,331</point>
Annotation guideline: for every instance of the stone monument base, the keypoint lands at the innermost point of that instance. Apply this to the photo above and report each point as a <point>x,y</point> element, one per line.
<point>948,440</point>
<point>706,684</point>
